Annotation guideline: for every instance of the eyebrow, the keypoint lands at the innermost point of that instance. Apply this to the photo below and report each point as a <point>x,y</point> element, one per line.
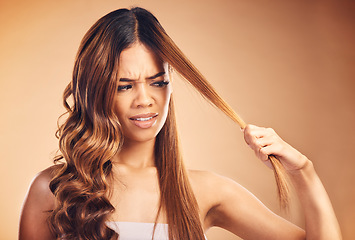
<point>149,78</point>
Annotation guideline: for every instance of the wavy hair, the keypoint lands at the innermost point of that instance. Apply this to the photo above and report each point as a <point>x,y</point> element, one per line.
<point>91,134</point>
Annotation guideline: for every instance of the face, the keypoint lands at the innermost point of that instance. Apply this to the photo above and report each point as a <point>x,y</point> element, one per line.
<point>143,93</point>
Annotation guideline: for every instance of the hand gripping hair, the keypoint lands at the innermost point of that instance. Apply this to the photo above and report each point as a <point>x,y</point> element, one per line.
<point>91,135</point>
<point>164,46</point>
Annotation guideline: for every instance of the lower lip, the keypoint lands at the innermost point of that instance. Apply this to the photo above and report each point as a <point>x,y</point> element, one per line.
<point>145,124</point>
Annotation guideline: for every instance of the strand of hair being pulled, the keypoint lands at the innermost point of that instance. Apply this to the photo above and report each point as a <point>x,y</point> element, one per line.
<point>174,56</point>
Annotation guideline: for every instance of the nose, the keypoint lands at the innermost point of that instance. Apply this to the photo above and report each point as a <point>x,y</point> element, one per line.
<point>143,98</point>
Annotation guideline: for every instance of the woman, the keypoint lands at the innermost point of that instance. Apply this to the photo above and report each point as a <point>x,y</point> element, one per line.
<point>120,167</point>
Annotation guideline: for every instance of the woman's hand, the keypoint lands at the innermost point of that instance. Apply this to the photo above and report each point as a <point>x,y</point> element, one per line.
<point>320,219</point>
<point>265,142</point>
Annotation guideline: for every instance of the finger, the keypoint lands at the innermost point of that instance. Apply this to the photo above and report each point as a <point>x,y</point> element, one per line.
<point>251,133</point>
<point>264,157</point>
<point>258,132</point>
<point>256,142</point>
<point>267,140</point>
<point>261,154</point>
<point>251,129</point>
<point>252,142</point>
<point>262,132</point>
<point>272,149</point>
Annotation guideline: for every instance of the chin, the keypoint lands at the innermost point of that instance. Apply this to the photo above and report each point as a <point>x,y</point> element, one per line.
<point>142,136</point>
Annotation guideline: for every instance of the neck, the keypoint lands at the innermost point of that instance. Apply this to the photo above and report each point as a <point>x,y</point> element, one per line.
<point>136,154</point>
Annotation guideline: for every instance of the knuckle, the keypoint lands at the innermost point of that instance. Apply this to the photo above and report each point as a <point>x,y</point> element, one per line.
<point>266,158</point>
<point>254,147</point>
<point>270,130</point>
<point>247,128</point>
<point>263,156</point>
<point>259,155</point>
<point>262,151</point>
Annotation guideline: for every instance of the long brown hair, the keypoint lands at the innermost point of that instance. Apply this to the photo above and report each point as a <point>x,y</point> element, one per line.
<point>91,134</point>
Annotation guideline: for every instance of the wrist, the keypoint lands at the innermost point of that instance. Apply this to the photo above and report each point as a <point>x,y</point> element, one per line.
<point>305,177</point>
<point>306,168</point>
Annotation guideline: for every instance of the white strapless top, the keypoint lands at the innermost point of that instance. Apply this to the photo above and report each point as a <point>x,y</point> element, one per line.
<point>139,231</point>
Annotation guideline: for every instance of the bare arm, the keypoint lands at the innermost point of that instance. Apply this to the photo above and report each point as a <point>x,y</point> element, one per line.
<point>39,200</point>
<point>321,222</point>
<point>238,211</point>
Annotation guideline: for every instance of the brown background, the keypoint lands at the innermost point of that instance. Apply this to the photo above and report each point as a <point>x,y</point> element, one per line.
<point>284,64</point>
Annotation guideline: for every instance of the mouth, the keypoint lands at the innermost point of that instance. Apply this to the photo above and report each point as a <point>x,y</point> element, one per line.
<point>144,120</point>
<point>144,117</point>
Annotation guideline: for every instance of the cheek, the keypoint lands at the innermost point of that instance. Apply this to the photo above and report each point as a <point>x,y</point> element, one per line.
<point>120,107</point>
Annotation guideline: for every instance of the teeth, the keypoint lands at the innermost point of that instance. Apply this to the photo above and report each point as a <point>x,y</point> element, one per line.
<point>143,119</point>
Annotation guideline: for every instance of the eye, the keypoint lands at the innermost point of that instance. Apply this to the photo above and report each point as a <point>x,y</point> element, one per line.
<point>160,83</point>
<point>124,87</point>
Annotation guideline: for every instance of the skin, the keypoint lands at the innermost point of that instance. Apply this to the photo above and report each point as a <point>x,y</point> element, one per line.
<point>222,201</point>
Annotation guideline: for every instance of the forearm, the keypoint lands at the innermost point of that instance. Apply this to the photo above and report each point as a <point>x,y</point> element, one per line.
<point>321,222</point>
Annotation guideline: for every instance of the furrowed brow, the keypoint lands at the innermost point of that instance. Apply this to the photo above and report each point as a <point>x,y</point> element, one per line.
<point>149,78</point>
<point>156,75</point>
<point>126,80</point>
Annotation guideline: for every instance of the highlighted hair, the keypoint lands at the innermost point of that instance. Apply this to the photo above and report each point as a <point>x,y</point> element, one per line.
<point>91,134</point>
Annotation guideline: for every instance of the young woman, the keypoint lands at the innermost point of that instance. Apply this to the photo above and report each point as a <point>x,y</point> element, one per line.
<point>120,174</point>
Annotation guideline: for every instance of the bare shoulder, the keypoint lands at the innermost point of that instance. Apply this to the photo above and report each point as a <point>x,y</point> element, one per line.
<point>211,190</point>
<point>36,208</point>
<point>213,182</point>
<point>220,190</point>
<point>228,205</point>
<point>39,188</point>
